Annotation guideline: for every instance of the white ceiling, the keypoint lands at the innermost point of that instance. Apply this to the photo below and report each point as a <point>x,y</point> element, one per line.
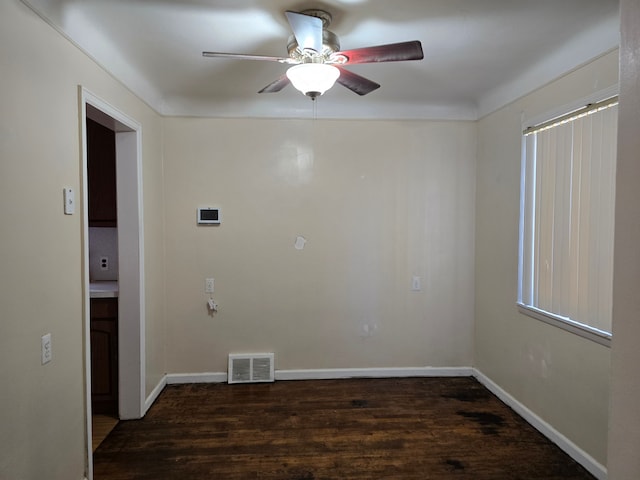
<point>478,54</point>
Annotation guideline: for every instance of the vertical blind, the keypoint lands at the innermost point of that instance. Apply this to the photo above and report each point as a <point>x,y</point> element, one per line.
<point>568,214</point>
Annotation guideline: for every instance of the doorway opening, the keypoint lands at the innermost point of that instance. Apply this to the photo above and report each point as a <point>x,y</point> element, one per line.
<point>103,277</point>
<point>113,269</point>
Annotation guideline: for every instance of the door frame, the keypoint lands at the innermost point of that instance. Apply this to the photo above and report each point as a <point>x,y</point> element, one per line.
<point>131,305</point>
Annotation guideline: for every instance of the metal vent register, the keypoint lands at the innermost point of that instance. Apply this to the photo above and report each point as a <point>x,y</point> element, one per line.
<point>251,368</point>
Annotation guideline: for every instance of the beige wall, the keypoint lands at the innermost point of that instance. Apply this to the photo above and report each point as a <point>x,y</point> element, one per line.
<point>377,202</point>
<point>561,377</point>
<point>624,444</point>
<point>41,284</point>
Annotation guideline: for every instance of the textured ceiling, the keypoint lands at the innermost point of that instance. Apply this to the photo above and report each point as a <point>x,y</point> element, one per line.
<point>478,54</point>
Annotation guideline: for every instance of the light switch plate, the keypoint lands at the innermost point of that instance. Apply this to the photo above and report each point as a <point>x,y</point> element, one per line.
<point>69,201</point>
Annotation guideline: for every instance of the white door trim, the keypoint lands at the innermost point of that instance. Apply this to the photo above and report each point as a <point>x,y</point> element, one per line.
<point>131,305</point>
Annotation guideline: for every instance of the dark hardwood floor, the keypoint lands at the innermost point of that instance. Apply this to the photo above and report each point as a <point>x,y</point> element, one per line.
<point>407,428</point>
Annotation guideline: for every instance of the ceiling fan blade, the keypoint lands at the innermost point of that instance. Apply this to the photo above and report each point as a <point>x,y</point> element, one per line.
<point>242,56</point>
<point>393,52</point>
<point>307,30</point>
<point>277,85</point>
<point>356,83</point>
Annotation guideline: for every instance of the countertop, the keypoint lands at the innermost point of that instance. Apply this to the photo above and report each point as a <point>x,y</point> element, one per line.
<point>106,289</point>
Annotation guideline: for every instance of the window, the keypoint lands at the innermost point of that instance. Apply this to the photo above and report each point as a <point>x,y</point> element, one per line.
<point>566,225</point>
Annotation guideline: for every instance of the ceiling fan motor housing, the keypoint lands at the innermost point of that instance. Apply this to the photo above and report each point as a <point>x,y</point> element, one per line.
<point>321,14</point>
<point>330,41</point>
<point>330,44</point>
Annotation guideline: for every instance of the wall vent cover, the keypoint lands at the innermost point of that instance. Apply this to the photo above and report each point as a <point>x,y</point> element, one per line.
<point>250,368</point>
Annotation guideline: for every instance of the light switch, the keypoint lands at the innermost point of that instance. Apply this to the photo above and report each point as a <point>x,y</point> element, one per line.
<point>69,201</point>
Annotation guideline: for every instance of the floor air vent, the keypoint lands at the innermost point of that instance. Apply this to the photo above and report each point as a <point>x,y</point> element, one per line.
<point>251,368</point>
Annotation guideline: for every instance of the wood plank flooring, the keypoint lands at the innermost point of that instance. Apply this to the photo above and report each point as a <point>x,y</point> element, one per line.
<point>101,426</point>
<point>360,429</point>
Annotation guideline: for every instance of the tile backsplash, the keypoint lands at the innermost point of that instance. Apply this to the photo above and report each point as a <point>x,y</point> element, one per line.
<point>103,243</point>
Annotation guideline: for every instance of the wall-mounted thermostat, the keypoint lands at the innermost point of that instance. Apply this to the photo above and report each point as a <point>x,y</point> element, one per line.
<point>209,216</point>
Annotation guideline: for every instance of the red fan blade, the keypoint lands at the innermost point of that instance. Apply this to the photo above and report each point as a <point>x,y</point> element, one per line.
<point>356,83</point>
<point>276,86</point>
<point>393,52</point>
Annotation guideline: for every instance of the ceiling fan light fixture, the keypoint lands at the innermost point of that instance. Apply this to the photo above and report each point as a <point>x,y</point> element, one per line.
<point>313,79</point>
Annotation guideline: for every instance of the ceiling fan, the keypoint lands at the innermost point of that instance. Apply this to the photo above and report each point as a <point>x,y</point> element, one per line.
<point>317,61</point>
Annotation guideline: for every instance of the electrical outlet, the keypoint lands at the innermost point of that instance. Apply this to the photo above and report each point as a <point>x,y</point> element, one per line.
<point>104,263</point>
<point>46,348</point>
<point>208,285</point>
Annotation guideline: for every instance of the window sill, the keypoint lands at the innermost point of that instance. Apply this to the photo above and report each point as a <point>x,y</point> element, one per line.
<point>598,336</point>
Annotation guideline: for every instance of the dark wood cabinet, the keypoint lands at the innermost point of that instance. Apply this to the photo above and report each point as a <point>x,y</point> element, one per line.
<point>101,173</point>
<point>104,355</point>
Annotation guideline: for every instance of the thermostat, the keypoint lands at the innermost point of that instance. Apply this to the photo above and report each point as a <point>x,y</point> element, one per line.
<point>208,216</point>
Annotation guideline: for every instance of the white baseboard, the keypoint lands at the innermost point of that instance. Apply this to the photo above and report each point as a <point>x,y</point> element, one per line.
<point>154,394</point>
<point>336,373</point>
<point>583,458</point>
<point>206,377</point>
<point>329,374</point>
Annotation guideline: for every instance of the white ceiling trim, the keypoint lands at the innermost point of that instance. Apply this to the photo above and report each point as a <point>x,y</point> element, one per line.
<point>591,44</point>
<point>303,108</point>
<point>76,28</point>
